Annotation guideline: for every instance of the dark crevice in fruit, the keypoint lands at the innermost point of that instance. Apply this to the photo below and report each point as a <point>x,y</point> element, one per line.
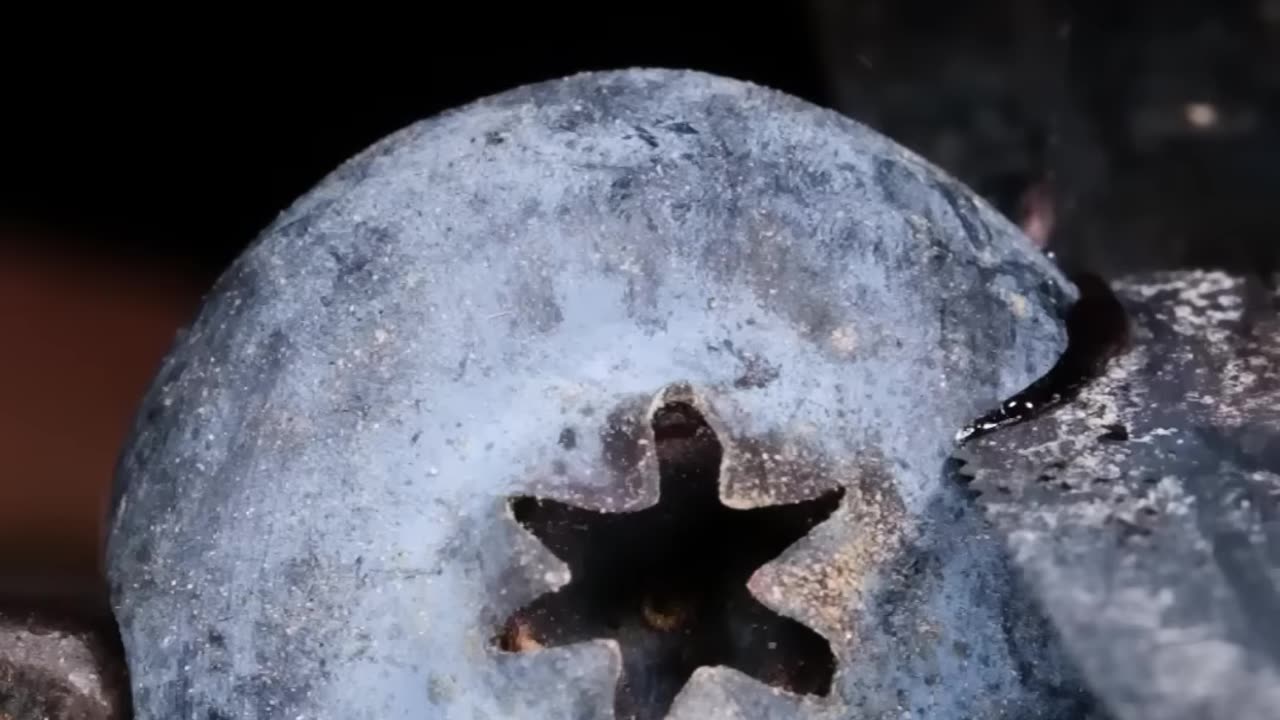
<point>669,582</point>
<point>1115,433</point>
<point>1097,330</point>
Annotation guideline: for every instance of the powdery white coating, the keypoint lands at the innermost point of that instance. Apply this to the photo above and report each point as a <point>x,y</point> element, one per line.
<point>311,517</point>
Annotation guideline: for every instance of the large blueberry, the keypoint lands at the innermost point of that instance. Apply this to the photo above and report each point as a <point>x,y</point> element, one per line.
<point>630,392</point>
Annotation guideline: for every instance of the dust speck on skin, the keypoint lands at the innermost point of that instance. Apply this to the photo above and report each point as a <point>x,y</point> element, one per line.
<point>844,340</point>
<point>1018,304</point>
<point>920,225</point>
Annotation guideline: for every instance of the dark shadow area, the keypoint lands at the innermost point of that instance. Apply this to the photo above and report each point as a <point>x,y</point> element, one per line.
<point>1097,330</point>
<point>669,582</point>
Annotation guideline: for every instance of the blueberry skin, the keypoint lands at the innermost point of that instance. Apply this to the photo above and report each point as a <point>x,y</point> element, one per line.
<point>310,514</point>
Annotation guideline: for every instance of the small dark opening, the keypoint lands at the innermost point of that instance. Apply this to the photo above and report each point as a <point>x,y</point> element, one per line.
<point>669,582</point>
<point>1115,433</point>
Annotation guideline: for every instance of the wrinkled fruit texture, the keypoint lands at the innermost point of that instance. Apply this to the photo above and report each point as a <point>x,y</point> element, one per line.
<point>313,515</point>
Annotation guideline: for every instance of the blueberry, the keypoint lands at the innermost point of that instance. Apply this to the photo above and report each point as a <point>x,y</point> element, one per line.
<point>628,392</point>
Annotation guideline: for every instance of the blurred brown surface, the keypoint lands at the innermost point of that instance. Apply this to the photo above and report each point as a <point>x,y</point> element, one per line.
<point>79,341</point>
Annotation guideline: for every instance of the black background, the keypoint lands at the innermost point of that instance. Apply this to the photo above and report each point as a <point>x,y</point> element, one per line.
<point>183,146</point>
